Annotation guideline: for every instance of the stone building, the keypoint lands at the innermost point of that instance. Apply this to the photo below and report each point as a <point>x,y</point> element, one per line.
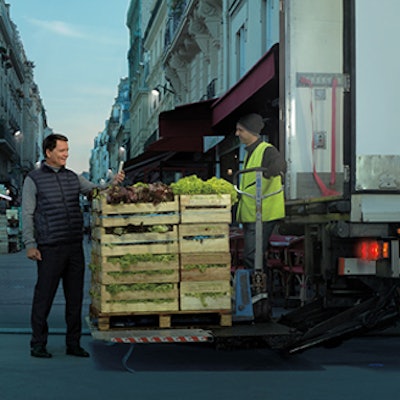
<point>22,116</point>
<point>193,53</point>
<point>112,144</point>
<point>195,66</point>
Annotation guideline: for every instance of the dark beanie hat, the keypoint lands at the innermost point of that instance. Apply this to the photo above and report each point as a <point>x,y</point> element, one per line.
<point>252,122</point>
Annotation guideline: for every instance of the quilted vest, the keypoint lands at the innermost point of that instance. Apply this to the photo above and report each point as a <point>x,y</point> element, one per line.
<point>58,217</point>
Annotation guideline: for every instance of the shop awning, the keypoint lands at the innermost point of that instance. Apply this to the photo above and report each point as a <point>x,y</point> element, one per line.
<point>178,143</point>
<point>147,160</point>
<point>138,168</point>
<point>254,92</point>
<point>183,128</point>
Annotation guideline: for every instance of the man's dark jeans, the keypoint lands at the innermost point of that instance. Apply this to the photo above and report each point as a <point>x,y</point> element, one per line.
<point>60,262</point>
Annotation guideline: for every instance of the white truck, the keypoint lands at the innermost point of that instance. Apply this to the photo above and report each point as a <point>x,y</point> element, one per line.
<point>339,128</point>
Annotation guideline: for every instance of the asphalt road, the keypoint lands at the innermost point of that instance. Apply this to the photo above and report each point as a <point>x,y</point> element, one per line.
<point>362,368</point>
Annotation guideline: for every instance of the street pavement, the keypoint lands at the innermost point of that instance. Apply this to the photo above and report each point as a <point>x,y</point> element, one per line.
<point>171,371</point>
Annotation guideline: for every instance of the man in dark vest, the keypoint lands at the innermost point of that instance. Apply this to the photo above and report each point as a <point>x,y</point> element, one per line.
<point>52,233</point>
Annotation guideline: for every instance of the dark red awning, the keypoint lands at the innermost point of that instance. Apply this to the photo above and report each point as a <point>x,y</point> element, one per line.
<point>254,92</point>
<point>183,128</point>
<point>178,143</point>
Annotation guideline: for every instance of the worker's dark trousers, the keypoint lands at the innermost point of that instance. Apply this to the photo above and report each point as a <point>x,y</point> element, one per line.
<point>249,234</point>
<point>65,262</point>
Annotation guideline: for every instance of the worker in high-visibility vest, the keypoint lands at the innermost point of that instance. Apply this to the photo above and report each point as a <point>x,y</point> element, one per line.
<point>259,154</point>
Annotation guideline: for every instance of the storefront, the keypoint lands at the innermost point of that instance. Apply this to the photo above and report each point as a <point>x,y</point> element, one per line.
<point>181,148</point>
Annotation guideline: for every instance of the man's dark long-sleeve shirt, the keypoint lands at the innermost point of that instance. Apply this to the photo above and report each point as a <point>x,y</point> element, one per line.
<point>272,159</point>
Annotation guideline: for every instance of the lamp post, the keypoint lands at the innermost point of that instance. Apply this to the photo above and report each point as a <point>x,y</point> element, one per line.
<point>121,158</point>
<point>156,90</point>
<point>19,138</point>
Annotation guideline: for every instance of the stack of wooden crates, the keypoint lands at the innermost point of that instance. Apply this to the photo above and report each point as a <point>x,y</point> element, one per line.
<point>166,260</point>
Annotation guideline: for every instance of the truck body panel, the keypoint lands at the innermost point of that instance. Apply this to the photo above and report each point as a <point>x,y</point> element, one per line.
<point>331,142</point>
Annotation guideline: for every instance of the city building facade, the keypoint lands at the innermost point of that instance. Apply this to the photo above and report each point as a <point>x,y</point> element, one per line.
<point>196,56</point>
<point>22,114</point>
<point>195,66</point>
<point>112,144</point>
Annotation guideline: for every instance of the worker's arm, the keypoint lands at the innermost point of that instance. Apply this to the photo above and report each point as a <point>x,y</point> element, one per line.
<point>273,162</point>
<point>28,209</point>
<point>86,186</point>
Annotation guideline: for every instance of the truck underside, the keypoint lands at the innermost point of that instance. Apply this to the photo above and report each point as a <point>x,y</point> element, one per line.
<point>311,325</point>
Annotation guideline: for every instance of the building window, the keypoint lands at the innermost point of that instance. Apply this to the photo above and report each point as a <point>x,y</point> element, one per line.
<point>270,23</point>
<point>240,52</point>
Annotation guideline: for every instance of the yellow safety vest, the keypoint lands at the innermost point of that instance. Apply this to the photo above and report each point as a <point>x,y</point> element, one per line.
<point>273,207</point>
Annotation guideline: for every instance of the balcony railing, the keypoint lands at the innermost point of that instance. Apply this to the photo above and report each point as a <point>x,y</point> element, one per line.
<point>176,13</point>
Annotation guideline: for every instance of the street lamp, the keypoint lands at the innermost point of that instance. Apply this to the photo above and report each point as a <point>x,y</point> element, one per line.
<point>19,138</point>
<point>121,158</point>
<point>156,91</point>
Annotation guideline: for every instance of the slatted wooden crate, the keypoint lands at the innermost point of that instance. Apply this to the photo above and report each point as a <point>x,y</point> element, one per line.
<point>203,238</point>
<point>108,270</point>
<point>147,297</point>
<point>201,248</point>
<point>135,243</point>
<point>205,295</point>
<point>113,215</point>
<point>205,266</point>
<point>207,207</point>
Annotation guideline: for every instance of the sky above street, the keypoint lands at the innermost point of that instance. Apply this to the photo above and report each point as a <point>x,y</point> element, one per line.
<point>79,48</point>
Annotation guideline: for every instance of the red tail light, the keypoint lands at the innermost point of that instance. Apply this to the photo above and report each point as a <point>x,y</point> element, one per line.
<point>372,250</point>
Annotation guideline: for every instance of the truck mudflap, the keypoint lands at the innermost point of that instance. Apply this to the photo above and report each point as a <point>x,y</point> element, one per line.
<point>330,326</point>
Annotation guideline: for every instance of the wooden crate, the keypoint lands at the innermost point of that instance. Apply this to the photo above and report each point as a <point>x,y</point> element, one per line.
<point>139,248</point>
<point>205,266</point>
<point>140,300</point>
<point>137,238</point>
<point>205,207</point>
<point>104,271</point>
<point>206,295</point>
<point>105,245</point>
<point>111,215</point>
<point>207,238</point>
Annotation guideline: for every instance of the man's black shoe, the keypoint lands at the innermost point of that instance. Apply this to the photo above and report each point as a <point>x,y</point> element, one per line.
<point>40,351</point>
<point>77,352</point>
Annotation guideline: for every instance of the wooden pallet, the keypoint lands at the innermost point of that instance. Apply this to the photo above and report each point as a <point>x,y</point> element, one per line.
<point>205,207</point>
<point>161,320</point>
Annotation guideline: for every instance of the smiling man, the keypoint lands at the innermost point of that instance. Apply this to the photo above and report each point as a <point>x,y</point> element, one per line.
<point>52,233</point>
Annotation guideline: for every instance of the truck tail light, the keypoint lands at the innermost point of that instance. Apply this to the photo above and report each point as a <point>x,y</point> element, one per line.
<point>372,250</point>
